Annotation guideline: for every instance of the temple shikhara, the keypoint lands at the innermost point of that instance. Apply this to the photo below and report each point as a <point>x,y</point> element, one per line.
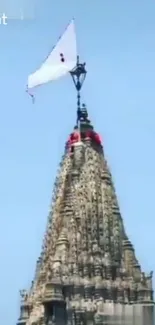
<point>87,272</point>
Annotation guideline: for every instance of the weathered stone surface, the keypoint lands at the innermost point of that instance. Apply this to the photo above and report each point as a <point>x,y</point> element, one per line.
<point>87,272</point>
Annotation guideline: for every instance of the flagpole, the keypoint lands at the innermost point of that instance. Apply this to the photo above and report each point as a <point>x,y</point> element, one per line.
<point>78,75</point>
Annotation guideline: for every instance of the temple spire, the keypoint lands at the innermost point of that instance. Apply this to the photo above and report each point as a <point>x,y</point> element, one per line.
<point>88,272</point>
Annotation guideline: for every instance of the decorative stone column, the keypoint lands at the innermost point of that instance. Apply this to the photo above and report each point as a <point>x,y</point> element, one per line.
<point>24,308</point>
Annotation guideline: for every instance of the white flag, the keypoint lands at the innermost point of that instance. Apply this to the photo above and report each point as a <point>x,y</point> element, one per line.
<point>60,61</point>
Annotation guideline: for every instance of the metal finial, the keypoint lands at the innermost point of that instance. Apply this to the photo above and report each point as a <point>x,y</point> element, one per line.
<point>78,75</point>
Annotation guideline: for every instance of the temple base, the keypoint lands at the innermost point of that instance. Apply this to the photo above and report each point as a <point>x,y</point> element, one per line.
<point>112,314</point>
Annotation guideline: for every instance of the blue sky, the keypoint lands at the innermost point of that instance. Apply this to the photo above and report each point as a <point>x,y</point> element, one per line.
<point>117,40</point>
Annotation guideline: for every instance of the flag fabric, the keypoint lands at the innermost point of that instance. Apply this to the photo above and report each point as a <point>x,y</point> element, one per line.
<point>59,62</point>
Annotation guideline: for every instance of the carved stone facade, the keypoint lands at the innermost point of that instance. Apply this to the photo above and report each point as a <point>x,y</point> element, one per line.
<point>87,272</point>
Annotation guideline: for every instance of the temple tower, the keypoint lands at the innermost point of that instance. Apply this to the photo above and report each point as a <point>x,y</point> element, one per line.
<point>87,272</point>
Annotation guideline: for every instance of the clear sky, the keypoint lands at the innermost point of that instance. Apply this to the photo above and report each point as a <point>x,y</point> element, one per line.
<point>117,40</point>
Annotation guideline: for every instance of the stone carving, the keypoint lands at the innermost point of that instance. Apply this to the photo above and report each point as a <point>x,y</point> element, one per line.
<point>23,295</point>
<point>36,314</point>
<point>87,257</point>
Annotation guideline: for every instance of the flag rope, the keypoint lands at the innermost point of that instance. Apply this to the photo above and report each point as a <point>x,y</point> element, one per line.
<point>30,94</point>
